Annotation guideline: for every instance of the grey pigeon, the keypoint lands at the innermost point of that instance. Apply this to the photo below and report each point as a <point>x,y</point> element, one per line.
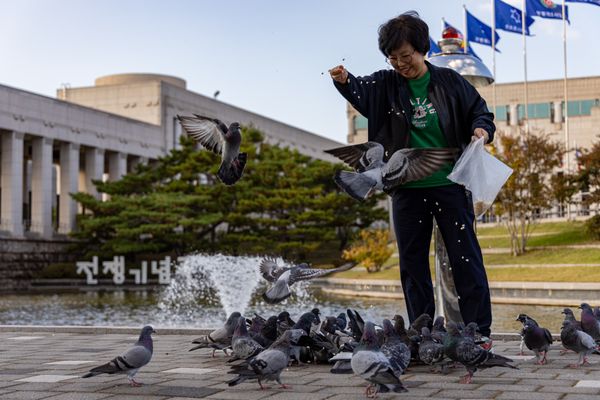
<point>438,330</point>
<point>405,165</point>
<point>524,318</point>
<point>537,339</point>
<point>268,365</point>
<point>131,360</point>
<point>430,351</point>
<point>569,316</point>
<point>577,341</point>
<point>284,277</point>
<point>589,323</point>
<point>342,364</point>
<point>464,350</point>
<point>225,141</point>
<point>372,365</point>
<point>242,345</point>
<point>219,339</point>
<point>394,349</point>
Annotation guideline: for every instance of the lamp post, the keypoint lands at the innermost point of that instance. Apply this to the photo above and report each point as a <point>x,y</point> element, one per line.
<point>453,56</point>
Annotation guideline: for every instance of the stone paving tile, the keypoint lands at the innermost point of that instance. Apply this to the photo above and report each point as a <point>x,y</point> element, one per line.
<point>26,395</point>
<point>78,396</point>
<point>529,396</point>
<point>579,397</point>
<point>467,394</point>
<point>193,392</point>
<point>569,389</point>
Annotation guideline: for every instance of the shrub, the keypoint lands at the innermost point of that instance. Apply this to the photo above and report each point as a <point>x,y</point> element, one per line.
<point>370,250</point>
<point>592,227</point>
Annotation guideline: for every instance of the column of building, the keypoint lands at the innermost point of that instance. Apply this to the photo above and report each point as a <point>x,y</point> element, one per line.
<point>11,207</point>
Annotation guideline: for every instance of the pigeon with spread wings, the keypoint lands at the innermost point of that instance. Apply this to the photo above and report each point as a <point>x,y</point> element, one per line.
<point>215,136</point>
<point>372,172</point>
<point>284,277</point>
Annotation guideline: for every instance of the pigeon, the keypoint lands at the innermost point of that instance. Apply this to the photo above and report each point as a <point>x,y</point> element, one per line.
<point>215,136</point>
<point>537,339</point>
<point>284,277</point>
<point>342,364</point>
<point>268,365</point>
<point>473,357</point>
<point>394,349</point>
<point>341,322</point>
<point>589,323</point>
<point>430,351</point>
<point>372,365</point>
<point>356,324</point>
<point>219,339</point>
<point>577,341</point>
<point>438,330</point>
<point>242,345</point>
<point>523,318</point>
<point>373,173</point>
<point>423,320</point>
<point>131,360</point>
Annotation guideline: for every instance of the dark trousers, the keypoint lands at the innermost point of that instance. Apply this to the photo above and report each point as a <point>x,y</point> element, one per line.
<point>413,212</point>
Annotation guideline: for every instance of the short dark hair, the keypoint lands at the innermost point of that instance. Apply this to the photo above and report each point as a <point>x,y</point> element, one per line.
<point>407,27</point>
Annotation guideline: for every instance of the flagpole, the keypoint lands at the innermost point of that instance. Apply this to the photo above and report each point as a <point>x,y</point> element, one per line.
<point>465,29</point>
<point>494,54</point>
<point>523,27</point>
<point>566,95</point>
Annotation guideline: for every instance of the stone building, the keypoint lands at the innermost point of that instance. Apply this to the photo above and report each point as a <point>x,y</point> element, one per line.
<point>51,147</point>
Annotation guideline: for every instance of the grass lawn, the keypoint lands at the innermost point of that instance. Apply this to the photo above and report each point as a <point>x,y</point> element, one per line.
<point>548,234</point>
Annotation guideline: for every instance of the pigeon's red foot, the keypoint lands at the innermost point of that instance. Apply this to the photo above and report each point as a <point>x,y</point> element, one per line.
<point>468,378</point>
<point>284,386</point>
<point>371,391</point>
<point>133,383</point>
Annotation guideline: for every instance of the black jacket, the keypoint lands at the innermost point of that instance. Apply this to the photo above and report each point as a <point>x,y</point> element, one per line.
<point>383,98</point>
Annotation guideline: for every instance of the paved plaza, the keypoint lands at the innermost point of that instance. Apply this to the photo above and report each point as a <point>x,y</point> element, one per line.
<point>47,364</point>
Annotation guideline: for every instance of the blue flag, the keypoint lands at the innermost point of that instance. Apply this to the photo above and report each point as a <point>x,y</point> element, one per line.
<point>479,32</point>
<point>545,9</point>
<point>469,49</point>
<point>594,2</point>
<point>433,47</point>
<point>510,19</point>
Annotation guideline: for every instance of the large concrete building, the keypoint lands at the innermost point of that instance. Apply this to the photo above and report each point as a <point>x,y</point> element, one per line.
<point>51,147</point>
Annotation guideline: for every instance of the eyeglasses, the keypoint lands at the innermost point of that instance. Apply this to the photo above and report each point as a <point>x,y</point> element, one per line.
<point>404,59</point>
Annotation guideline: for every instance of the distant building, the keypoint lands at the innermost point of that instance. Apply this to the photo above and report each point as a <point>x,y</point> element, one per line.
<point>51,147</point>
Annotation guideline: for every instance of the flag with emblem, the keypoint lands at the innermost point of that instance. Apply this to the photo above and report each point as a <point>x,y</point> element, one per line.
<point>546,9</point>
<point>510,19</point>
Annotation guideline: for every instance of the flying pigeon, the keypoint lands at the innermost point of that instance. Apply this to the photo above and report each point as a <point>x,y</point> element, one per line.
<point>215,136</point>
<point>372,365</point>
<point>219,339</point>
<point>538,340</point>
<point>524,318</point>
<point>464,350</point>
<point>403,166</point>
<point>284,277</point>
<point>268,365</point>
<point>242,345</point>
<point>589,323</point>
<point>131,360</point>
<point>577,341</point>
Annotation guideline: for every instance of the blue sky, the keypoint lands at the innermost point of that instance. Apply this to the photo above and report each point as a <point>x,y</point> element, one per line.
<point>267,56</point>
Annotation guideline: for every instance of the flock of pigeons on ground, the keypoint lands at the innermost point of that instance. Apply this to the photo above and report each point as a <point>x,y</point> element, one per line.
<point>262,348</point>
<point>367,159</point>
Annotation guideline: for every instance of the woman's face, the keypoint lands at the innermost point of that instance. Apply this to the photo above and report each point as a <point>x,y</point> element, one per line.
<point>408,62</point>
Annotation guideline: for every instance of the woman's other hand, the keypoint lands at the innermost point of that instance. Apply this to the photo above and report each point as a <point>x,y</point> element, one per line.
<point>480,133</point>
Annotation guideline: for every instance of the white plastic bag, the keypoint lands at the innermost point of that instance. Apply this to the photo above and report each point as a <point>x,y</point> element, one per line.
<point>481,173</point>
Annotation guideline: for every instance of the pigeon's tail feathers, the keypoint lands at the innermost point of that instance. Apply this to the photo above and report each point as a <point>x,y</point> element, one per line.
<point>496,360</point>
<point>230,173</point>
<point>90,374</point>
<point>341,367</point>
<point>237,380</point>
<point>200,346</point>
<point>357,185</point>
<point>278,292</point>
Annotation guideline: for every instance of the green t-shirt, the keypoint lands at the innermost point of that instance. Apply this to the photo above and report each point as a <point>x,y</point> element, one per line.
<point>425,131</point>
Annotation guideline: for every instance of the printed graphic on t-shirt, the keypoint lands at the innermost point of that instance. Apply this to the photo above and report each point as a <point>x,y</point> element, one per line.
<point>421,107</point>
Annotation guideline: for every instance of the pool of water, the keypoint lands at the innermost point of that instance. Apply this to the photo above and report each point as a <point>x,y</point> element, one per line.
<point>136,308</point>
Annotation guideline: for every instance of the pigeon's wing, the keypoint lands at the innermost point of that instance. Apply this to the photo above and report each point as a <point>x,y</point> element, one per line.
<point>206,131</point>
<point>304,274</point>
<point>270,270</point>
<point>132,359</point>
<point>407,165</point>
<point>360,156</point>
<point>137,356</point>
<point>548,336</point>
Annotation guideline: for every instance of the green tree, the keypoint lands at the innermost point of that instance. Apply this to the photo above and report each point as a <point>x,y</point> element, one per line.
<point>533,158</point>
<point>285,204</point>
<point>589,173</point>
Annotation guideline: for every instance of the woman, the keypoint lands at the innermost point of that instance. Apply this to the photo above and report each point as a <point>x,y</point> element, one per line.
<point>417,104</point>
